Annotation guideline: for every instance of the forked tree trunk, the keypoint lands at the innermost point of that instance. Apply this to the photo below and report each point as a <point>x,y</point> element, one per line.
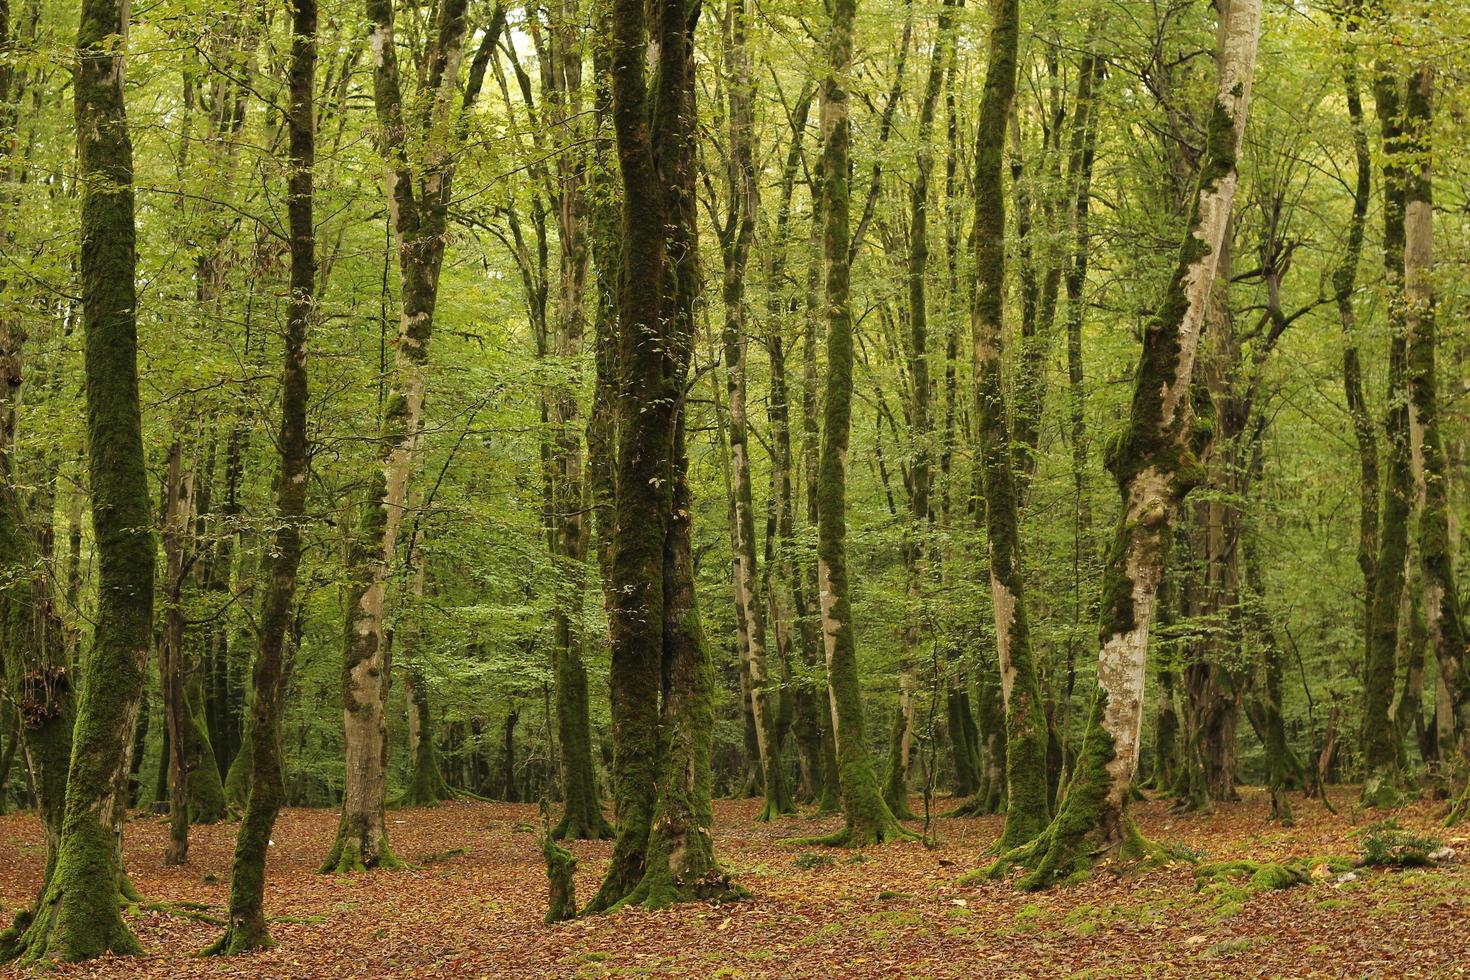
<point>1155,465</point>
<point>418,198</point>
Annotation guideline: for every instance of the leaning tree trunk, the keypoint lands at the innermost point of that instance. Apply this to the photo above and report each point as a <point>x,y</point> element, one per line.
<point>868,818</point>
<point>78,915</point>
<point>1155,464</point>
<point>418,198</point>
<point>1025,723</point>
<point>246,927</point>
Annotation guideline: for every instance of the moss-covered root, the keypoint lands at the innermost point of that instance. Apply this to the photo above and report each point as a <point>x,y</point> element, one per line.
<point>1234,880</point>
<point>1383,790</point>
<point>582,823</point>
<point>353,851</point>
<point>561,869</point>
<point>1460,809</point>
<point>68,926</point>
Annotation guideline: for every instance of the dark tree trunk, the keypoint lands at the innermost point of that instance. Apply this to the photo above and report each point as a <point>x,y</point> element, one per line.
<point>78,915</point>
<point>246,927</point>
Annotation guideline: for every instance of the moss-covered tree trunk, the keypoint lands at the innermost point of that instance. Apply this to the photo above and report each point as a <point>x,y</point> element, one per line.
<point>246,927</point>
<point>811,440</point>
<point>653,128</point>
<point>790,602</point>
<point>1384,779</point>
<point>418,199</point>
<point>172,671</point>
<point>1154,463</point>
<point>1442,614</point>
<point>561,87</point>
<point>1344,283</point>
<point>737,236</point>
<point>868,818</point>
<point>78,915</point>
<point>1027,811</point>
<point>35,677</point>
<point>1080,152</point>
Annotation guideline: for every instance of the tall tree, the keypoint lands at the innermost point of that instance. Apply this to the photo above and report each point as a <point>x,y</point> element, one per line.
<point>868,817</point>
<point>246,927</point>
<point>1384,782</point>
<point>660,681</point>
<point>737,235</point>
<point>1025,724</point>
<point>418,203</point>
<point>78,915</point>
<point>1155,463</point>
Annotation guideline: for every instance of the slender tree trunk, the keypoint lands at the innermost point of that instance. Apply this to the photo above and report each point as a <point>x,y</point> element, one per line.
<point>1155,464</point>
<point>246,927</point>
<point>78,915</point>
<point>868,818</point>
<point>1025,724</point>
<point>740,234</point>
<point>1384,783</point>
<point>1443,617</point>
<point>1083,140</point>
<point>1344,283</point>
<point>418,198</point>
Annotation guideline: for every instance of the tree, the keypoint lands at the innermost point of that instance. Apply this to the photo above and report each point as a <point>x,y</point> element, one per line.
<point>868,817</point>
<point>1155,463</point>
<point>418,201</point>
<point>78,914</point>
<point>659,685</point>
<point>1025,724</point>
<point>246,927</point>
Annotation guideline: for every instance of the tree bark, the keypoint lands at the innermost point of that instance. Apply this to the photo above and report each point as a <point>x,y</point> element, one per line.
<point>78,915</point>
<point>1383,785</point>
<point>246,926</point>
<point>1027,810</point>
<point>418,199</point>
<point>1155,464</point>
<point>868,818</point>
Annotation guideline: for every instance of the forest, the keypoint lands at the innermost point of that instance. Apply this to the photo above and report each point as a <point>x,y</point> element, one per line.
<point>734,488</point>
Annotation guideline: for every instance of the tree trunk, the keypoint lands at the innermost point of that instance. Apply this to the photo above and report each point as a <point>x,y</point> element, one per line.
<point>868,818</point>
<point>246,926</point>
<point>1442,614</point>
<point>738,237</point>
<point>1344,281</point>
<point>1383,785</point>
<point>78,915</point>
<point>1025,724</point>
<point>418,198</point>
<point>1155,465</point>
<point>654,134</point>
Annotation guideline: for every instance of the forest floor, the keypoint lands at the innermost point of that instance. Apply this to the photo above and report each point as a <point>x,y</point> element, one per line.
<point>894,910</point>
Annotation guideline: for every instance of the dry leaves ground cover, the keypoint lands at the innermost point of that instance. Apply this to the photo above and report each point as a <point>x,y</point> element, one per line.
<point>890,911</point>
